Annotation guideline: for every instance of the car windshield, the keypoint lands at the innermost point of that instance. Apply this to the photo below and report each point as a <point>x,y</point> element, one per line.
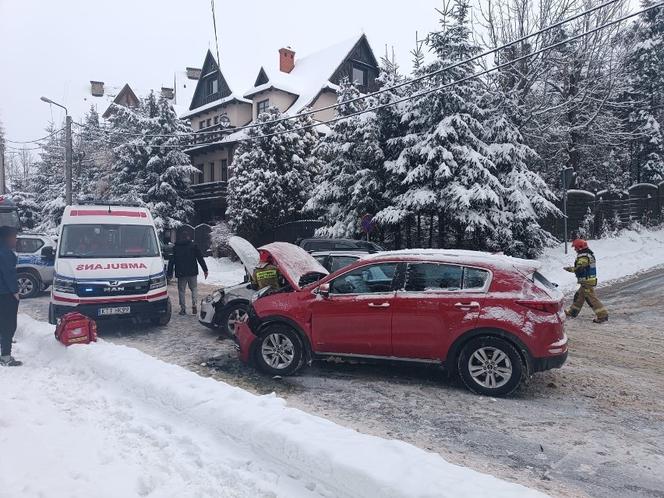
<point>9,218</point>
<point>108,241</point>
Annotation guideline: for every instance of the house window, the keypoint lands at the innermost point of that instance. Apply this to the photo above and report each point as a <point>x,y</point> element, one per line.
<point>212,86</point>
<point>262,106</point>
<point>201,124</point>
<point>359,76</point>
<point>209,122</point>
<point>211,172</point>
<point>224,170</point>
<point>216,120</point>
<point>196,177</point>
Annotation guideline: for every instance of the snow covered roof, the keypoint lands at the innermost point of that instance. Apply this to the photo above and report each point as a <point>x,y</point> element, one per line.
<point>310,75</point>
<point>211,105</point>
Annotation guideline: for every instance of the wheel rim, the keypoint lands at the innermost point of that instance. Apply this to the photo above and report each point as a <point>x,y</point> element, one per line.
<point>25,286</point>
<point>234,317</point>
<point>278,351</point>
<point>490,367</point>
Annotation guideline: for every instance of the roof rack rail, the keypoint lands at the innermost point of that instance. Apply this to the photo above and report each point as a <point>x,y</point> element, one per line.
<point>106,202</point>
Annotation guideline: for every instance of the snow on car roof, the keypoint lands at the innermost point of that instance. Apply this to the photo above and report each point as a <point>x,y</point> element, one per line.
<point>293,261</point>
<point>493,260</point>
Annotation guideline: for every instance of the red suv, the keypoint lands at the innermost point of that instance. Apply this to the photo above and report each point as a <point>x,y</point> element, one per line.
<point>492,319</point>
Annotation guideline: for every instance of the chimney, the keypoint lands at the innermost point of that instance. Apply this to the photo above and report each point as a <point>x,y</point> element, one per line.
<point>286,59</point>
<point>97,88</point>
<point>167,93</point>
<point>193,73</point>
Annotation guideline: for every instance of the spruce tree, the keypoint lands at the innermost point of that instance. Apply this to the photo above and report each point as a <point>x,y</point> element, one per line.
<point>272,176</point>
<point>350,183</point>
<point>48,184</point>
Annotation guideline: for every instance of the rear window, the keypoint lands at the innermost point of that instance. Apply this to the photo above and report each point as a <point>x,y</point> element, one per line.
<point>431,277</point>
<point>338,262</point>
<point>28,246</point>
<point>544,283</point>
<point>318,245</point>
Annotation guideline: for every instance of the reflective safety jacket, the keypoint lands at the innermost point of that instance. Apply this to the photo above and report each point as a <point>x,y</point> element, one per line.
<point>266,276</point>
<point>585,268</point>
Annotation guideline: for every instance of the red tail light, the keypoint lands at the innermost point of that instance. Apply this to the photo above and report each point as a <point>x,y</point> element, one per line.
<point>544,306</point>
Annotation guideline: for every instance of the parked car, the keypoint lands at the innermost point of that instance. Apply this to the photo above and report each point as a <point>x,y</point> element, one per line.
<point>491,319</point>
<point>320,244</point>
<point>335,260</point>
<point>227,306</point>
<point>36,259</point>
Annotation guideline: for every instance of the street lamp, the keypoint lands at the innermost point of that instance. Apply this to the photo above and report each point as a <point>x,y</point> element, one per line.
<point>68,149</point>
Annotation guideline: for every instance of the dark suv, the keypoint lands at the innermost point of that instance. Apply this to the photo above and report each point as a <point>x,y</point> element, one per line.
<point>317,244</point>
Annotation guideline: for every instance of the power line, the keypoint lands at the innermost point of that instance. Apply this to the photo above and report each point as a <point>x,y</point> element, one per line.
<point>398,85</point>
<point>412,96</point>
<point>36,140</point>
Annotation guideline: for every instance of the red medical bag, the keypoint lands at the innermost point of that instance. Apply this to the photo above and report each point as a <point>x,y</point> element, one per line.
<point>74,328</point>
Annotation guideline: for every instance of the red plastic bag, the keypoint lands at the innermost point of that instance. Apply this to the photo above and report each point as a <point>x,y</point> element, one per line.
<point>74,328</point>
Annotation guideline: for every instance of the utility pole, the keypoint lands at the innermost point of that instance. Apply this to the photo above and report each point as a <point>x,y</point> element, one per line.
<point>68,159</point>
<point>3,185</point>
<point>68,150</point>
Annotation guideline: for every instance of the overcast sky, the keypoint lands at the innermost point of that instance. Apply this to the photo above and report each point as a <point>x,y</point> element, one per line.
<point>55,47</point>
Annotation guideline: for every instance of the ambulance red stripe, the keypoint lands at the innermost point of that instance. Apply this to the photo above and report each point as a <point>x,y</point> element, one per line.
<point>103,212</point>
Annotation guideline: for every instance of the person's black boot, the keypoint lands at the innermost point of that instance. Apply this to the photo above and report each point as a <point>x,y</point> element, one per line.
<point>194,310</point>
<point>9,361</point>
<point>182,312</point>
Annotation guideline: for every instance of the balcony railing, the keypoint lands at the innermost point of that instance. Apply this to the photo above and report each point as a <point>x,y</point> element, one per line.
<point>210,190</point>
<point>210,134</point>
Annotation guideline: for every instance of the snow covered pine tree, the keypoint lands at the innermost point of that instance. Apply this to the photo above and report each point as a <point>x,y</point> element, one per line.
<point>352,158</point>
<point>149,165</point>
<point>272,175</point>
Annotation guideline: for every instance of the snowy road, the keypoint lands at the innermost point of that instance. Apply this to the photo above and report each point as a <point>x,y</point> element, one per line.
<point>594,428</point>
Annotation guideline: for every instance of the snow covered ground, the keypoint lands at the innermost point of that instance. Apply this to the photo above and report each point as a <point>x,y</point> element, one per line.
<point>629,253</point>
<point>107,420</point>
<point>223,271</point>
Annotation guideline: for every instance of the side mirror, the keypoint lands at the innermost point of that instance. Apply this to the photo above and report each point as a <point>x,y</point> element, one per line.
<point>48,252</point>
<point>324,290</point>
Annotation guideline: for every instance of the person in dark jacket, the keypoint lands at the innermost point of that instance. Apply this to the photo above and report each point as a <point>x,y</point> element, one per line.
<point>186,258</point>
<point>586,275</point>
<point>8,295</point>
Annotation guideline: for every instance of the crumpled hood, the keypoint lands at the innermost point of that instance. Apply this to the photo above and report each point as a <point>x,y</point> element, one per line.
<point>293,261</point>
<point>106,268</point>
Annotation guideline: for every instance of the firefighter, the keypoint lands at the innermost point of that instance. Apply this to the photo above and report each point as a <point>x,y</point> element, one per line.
<point>586,275</point>
<point>266,274</point>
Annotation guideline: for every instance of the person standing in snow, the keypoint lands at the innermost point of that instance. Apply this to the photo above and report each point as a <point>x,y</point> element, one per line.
<point>8,295</point>
<point>186,258</point>
<point>586,275</point>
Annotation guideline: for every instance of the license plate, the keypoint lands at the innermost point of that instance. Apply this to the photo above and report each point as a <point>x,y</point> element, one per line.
<point>119,310</point>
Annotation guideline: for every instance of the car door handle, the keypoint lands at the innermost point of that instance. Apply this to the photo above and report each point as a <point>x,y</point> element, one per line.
<point>381,305</point>
<point>470,305</point>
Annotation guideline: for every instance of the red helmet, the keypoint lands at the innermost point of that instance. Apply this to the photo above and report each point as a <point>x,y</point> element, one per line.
<point>579,244</point>
<point>264,257</point>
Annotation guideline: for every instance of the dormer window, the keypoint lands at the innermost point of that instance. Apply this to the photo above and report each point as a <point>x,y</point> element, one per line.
<point>359,76</point>
<point>212,86</point>
<point>262,107</point>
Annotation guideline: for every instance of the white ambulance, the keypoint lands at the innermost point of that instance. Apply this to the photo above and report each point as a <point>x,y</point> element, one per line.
<point>109,264</point>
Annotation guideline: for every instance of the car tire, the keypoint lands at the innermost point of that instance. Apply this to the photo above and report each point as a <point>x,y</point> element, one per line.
<point>490,366</point>
<point>230,315</point>
<point>162,320</point>
<point>28,285</point>
<point>279,350</point>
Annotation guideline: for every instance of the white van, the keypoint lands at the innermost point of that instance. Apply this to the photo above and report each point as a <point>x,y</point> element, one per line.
<point>109,264</point>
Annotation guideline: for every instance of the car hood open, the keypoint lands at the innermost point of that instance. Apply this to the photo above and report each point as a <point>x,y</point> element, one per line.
<point>245,251</point>
<point>293,262</point>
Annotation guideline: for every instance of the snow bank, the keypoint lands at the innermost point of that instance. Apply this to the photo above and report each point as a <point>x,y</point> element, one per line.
<point>222,271</point>
<point>107,420</point>
<point>618,257</point>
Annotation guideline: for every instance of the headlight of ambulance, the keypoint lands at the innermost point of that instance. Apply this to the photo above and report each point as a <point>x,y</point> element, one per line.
<point>64,285</point>
<point>158,282</point>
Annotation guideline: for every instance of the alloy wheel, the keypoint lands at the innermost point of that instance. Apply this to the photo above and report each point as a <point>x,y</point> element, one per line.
<point>278,351</point>
<point>490,367</point>
<point>25,286</point>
